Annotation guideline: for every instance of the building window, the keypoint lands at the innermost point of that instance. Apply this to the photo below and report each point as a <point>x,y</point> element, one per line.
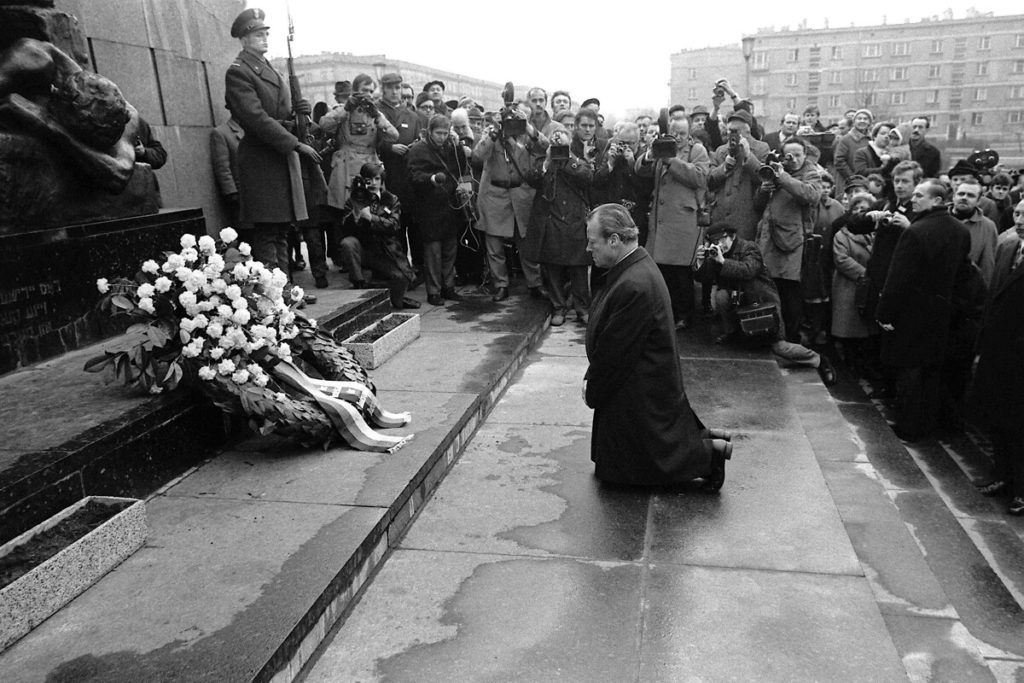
<point>898,98</point>
<point>1016,92</point>
<point>835,101</point>
<point>984,42</point>
<point>937,46</point>
<point>959,44</point>
<point>869,75</point>
<point>691,94</point>
<point>977,118</point>
<point>1015,117</point>
<point>931,97</point>
<point>692,74</point>
<point>790,79</point>
<point>872,50</point>
<point>837,51</point>
<point>1018,41</point>
<point>760,59</point>
<point>901,48</point>
<point>899,73</point>
<point>982,69</point>
<point>791,104</point>
<point>871,99</point>
<point>836,77</point>
<point>934,71</point>
<point>980,94</point>
<point>793,55</point>
<point>1018,66</point>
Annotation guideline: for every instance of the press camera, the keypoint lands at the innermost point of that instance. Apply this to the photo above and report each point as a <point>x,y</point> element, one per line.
<point>665,145</point>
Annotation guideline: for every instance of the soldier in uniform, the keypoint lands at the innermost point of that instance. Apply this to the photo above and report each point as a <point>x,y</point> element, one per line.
<point>270,178</point>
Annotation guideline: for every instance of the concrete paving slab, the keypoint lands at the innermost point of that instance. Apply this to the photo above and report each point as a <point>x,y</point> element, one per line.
<point>773,513</point>
<point>946,477</point>
<point>567,340</point>
<point>900,577</point>
<point>340,475</point>
<point>937,650</point>
<point>480,314</point>
<point>530,490</point>
<point>463,363</point>
<point>485,618</point>
<point>725,624</point>
<point>734,394</point>
<point>213,572</point>
<point>547,390</point>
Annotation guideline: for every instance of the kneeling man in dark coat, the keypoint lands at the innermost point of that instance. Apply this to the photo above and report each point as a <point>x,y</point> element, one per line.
<point>645,432</point>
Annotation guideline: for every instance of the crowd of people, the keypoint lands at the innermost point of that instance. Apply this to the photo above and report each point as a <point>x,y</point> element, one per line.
<point>847,239</point>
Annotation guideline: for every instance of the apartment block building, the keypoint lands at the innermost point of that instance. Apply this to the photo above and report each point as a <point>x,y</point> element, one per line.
<point>966,74</point>
<point>318,73</point>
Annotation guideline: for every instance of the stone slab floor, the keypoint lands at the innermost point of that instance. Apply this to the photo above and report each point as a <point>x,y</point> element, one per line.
<point>523,567</point>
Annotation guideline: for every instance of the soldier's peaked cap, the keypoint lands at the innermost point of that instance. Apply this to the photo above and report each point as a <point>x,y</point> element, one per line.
<point>248,21</point>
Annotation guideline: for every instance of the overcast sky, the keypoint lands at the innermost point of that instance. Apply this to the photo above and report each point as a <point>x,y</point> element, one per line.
<point>591,49</point>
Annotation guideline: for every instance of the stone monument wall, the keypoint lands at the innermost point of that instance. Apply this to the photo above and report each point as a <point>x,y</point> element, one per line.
<point>168,57</point>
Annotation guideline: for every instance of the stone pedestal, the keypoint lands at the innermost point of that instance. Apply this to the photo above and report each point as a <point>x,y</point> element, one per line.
<point>48,280</point>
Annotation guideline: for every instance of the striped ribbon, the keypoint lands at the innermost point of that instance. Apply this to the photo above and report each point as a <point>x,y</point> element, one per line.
<point>345,403</point>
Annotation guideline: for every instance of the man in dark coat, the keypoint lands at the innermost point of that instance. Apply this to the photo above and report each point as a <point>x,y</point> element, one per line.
<point>922,151</point>
<point>435,166</point>
<point>915,308</point>
<point>271,194</point>
<point>394,155</point>
<point>998,392</point>
<point>645,432</point>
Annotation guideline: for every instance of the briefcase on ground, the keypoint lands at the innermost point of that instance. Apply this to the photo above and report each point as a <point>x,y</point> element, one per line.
<point>758,319</point>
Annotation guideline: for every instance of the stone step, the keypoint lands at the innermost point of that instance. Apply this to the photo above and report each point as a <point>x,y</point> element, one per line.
<point>971,549</point>
<point>70,435</point>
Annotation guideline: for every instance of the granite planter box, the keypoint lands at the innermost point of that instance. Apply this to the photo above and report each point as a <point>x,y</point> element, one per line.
<point>32,598</point>
<point>373,354</point>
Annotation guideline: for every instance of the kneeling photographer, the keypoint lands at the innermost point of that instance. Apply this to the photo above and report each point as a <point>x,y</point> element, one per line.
<point>744,288</point>
<point>372,228</point>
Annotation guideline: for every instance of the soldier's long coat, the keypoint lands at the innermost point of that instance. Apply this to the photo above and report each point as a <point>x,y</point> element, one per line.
<point>269,175</point>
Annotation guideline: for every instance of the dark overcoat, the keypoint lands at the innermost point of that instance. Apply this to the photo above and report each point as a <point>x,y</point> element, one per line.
<point>436,207</point>
<point>918,293</point>
<point>997,394</point>
<point>407,123</point>
<point>558,221</point>
<point>645,432</point>
<point>269,176</point>
<point>743,271</point>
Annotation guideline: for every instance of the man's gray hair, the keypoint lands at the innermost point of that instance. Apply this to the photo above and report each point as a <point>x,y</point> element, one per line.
<point>614,219</point>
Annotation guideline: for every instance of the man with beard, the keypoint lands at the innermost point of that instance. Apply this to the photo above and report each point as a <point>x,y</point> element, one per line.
<point>435,167</point>
<point>983,231</point>
<point>539,117</point>
<point>848,145</point>
<point>915,308</point>
<point>645,432</point>
<point>922,151</point>
<point>394,155</point>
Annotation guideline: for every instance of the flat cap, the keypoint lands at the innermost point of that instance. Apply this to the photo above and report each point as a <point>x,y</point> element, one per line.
<point>589,101</point>
<point>700,109</point>
<point>717,229</point>
<point>248,21</point>
<point>430,83</point>
<point>390,78</point>
<point>343,87</point>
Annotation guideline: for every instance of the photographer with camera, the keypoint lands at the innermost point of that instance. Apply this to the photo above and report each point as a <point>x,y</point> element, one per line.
<point>359,129</point>
<point>373,236</point>
<point>395,156</point>
<point>674,235</point>
<point>507,185</point>
<point>790,188</point>
<point>736,267</point>
<point>622,185</point>
<point>557,238</point>
<point>437,166</point>
<point>733,177</point>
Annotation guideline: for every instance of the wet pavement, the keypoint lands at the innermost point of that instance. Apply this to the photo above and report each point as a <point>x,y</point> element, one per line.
<point>523,567</point>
